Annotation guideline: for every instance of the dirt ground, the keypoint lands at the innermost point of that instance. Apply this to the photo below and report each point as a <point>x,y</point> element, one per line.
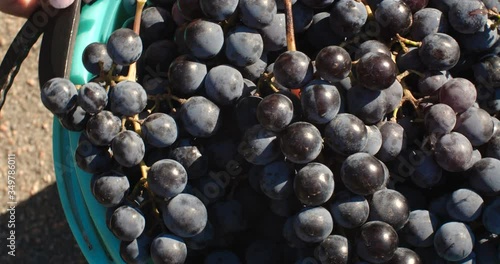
<point>42,234</point>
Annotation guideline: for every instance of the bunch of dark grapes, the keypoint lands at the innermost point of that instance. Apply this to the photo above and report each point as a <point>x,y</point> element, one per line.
<point>308,131</point>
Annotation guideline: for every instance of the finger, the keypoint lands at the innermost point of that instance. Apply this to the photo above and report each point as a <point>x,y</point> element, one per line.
<point>23,8</point>
<point>60,4</point>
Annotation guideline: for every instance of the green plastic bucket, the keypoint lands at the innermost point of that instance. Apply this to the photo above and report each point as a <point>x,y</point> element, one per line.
<point>86,217</point>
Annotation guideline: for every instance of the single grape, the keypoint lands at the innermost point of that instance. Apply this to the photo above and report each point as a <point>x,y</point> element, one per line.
<point>468,17</point>
<point>277,180</point>
<point>313,224</point>
<point>188,74</point>
<point>428,21</point>
<point>405,255</point>
<point>191,158</point>
<point>349,210</point>
<point>218,10</point>
<point>274,34</point>
<point>362,174</point>
<point>75,120</point>
<point>167,178</point>
<point>393,141</point>
<point>59,95</point>
<point>454,241</point>
<point>136,251</point>
<point>347,17</point>
<point>156,24</point>
<point>203,38</point>
<point>200,116</point>
<point>109,188</point>
<point>244,45</point>
<point>376,71</point>
<point>475,124</point>
<point>102,128</point>
<point>275,112</point>
<point>394,17</point>
<point>313,184</point>
<point>301,142</point>
<point>124,46</point>
<point>293,69</point>
<point>439,52</point>
<point>440,119</point>
<point>259,146</point>
<point>127,223</point>
<point>159,130</point>
<point>484,177</point>
<point>464,205</point>
<point>127,98</point>
<point>389,206</point>
<point>459,93</point>
<point>167,248</point>
<point>92,97</point>
<point>128,148</point>
<point>185,215</point>
<point>334,249</point>
<point>453,152</point>
<point>333,63</point>
<point>376,242</point>
<point>320,102</point>
<point>224,85</point>
<point>257,13</point>
<point>95,58</point>
<point>368,105</point>
<point>91,158</point>
<point>346,134</point>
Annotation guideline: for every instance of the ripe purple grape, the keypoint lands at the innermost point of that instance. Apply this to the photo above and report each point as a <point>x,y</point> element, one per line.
<point>376,71</point>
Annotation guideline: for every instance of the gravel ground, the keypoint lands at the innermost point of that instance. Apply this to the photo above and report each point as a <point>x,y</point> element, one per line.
<point>41,231</point>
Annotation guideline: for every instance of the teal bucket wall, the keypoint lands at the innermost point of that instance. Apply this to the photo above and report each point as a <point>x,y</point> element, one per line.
<point>86,217</point>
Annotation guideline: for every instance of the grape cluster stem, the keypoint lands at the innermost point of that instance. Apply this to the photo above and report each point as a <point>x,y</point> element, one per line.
<point>404,42</point>
<point>290,32</point>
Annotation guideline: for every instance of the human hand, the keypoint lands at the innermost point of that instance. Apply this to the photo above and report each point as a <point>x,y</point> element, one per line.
<point>24,8</point>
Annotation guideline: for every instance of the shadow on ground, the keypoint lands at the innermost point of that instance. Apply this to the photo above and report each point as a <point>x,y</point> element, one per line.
<point>42,233</point>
